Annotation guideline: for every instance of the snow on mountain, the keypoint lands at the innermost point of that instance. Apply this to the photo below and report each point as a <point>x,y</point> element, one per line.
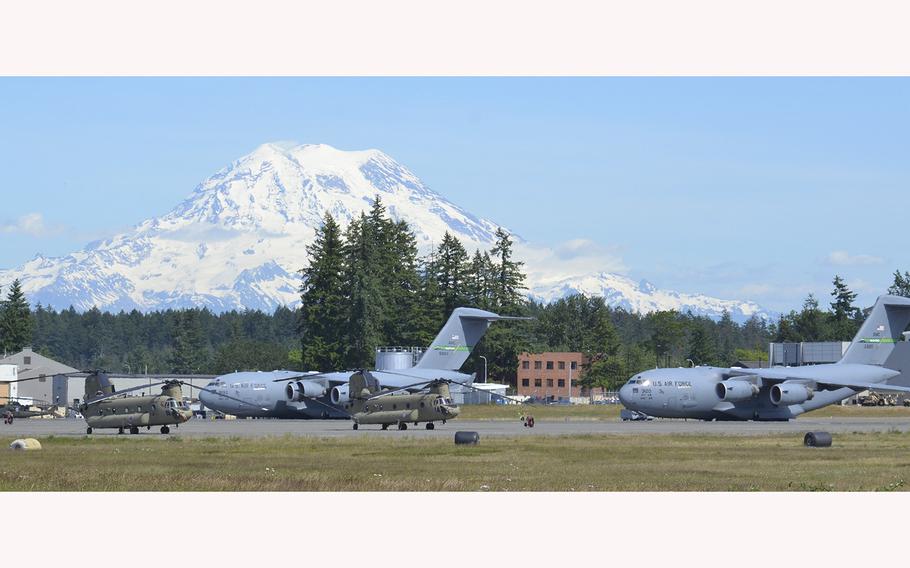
<point>239,239</point>
<point>644,297</point>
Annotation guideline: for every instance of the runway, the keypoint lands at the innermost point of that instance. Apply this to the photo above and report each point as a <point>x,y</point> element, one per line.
<point>38,428</point>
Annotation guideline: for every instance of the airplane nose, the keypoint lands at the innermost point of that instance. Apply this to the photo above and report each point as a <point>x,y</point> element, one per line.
<point>624,395</point>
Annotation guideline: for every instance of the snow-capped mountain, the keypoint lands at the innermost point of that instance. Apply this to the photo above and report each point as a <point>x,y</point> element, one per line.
<point>239,239</point>
<point>644,297</point>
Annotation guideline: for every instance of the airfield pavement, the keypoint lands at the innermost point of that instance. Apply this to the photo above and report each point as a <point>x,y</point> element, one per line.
<point>39,428</point>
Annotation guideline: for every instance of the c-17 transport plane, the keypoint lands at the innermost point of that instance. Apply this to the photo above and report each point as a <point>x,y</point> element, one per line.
<point>292,394</point>
<point>778,393</point>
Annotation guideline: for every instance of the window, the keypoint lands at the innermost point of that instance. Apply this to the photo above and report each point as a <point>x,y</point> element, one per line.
<point>574,365</point>
<point>561,383</point>
<point>394,407</point>
<point>525,382</point>
<point>562,365</point>
<point>138,409</point>
<point>537,365</point>
<point>536,382</point>
<point>27,360</point>
<point>525,364</point>
<point>407,405</point>
<point>422,405</point>
<point>550,383</point>
<point>549,365</point>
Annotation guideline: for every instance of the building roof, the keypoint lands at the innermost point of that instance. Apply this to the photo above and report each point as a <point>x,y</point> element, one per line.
<point>37,364</point>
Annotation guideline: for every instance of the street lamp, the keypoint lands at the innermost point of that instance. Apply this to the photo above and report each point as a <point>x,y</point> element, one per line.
<point>484,368</point>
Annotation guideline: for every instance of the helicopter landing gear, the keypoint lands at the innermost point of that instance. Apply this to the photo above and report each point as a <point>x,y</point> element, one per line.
<point>385,426</point>
<point>165,430</point>
<point>356,425</point>
<point>120,430</point>
<point>134,430</point>
<point>402,426</point>
<point>88,430</point>
<point>431,426</point>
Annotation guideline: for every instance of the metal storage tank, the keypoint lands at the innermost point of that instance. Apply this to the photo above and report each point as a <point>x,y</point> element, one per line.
<point>396,358</point>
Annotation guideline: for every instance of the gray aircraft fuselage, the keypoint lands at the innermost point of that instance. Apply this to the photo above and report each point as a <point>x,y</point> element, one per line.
<point>266,398</point>
<point>691,393</point>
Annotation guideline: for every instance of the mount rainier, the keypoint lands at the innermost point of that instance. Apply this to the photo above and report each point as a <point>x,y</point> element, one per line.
<point>238,240</point>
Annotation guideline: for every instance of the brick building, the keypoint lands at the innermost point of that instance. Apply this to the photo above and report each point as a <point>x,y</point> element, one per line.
<point>547,375</point>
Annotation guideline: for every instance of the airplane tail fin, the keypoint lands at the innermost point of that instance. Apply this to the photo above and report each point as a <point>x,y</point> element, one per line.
<point>453,345</point>
<point>880,332</point>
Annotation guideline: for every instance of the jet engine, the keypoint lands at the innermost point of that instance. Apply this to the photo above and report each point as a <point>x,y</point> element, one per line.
<point>790,393</point>
<point>340,394</point>
<point>733,391</point>
<point>298,391</point>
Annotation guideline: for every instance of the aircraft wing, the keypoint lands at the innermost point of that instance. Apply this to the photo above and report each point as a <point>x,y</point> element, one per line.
<point>854,376</point>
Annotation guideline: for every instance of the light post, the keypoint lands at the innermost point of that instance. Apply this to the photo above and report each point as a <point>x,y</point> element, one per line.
<point>484,368</point>
<point>570,381</point>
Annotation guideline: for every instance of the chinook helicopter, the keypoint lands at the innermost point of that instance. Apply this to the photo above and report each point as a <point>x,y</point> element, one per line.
<point>13,409</point>
<point>369,404</point>
<point>104,407</point>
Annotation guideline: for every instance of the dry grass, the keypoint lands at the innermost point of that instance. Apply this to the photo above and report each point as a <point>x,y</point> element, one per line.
<point>864,462</point>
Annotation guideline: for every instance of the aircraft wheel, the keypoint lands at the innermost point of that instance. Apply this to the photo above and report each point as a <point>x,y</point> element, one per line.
<point>356,425</point>
<point>134,430</point>
<point>165,430</point>
<point>385,426</point>
<point>120,430</point>
<point>430,426</point>
<point>402,426</point>
<point>88,430</point>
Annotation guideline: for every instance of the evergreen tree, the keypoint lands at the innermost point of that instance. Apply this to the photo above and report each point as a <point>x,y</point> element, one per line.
<point>189,356</point>
<point>509,284</point>
<point>480,279</point>
<point>15,320</point>
<point>845,317</point>
<point>363,329</point>
<point>811,321</point>
<point>666,335</point>
<point>701,347</point>
<point>901,285</point>
<point>323,310</point>
<point>451,273</point>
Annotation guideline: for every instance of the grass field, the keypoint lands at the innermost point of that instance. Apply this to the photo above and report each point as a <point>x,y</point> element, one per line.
<point>611,412</point>
<point>866,462</point>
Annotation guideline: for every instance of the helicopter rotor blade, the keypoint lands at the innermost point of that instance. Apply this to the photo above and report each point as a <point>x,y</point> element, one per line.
<point>224,395</point>
<point>121,393</point>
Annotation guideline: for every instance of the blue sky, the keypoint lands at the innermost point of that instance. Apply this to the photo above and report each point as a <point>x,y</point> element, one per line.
<point>757,189</point>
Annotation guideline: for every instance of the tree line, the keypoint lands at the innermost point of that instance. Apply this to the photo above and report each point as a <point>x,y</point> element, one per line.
<point>367,286</point>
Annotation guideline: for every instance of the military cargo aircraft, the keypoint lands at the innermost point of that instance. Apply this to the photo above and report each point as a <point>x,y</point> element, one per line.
<point>292,394</point>
<point>778,393</point>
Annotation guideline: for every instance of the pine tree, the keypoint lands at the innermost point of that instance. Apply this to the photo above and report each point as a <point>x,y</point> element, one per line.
<point>15,320</point>
<point>811,322</point>
<point>363,329</point>
<point>451,273</point>
<point>189,355</point>
<point>509,285</point>
<point>323,310</point>
<point>701,347</point>
<point>845,317</point>
<point>901,285</point>
<point>480,278</point>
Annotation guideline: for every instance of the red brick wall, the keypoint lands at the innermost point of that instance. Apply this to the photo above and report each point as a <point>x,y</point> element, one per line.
<point>533,370</point>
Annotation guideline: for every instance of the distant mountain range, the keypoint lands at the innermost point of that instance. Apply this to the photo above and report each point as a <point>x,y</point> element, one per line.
<point>239,239</point>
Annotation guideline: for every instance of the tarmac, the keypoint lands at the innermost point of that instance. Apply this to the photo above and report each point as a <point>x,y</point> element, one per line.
<point>38,428</point>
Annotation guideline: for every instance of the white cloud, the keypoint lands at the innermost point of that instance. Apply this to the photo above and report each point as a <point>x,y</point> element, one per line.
<point>843,258</point>
<point>31,224</point>
<point>575,257</point>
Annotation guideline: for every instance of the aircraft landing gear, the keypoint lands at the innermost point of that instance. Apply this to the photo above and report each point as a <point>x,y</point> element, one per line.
<point>165,430</point>
<point>88,430</point>
<point>385,426</point>
<point>120,430</point>
<point>402,426</point>
<point>134,430</point>
<point>356,425</point>
<point>430,426</point>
